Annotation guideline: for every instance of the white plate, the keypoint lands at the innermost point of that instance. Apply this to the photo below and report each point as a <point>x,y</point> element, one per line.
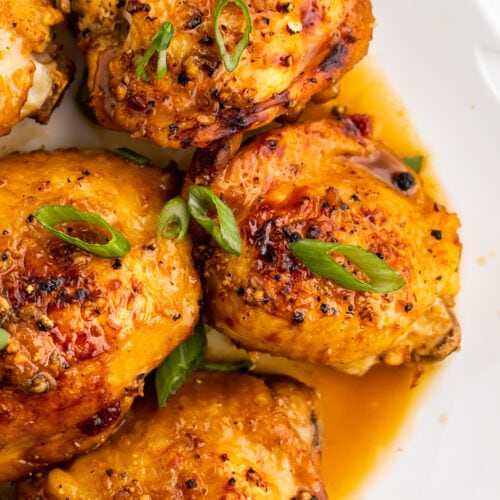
<point>443,58</point>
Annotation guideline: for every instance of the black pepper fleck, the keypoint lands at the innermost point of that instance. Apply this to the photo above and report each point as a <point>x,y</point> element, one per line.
<point>5,256</point>
<point>117,264</point>
<point>109,472</point>
<point>404,181</point>
<point>5,232</point>
<point>191,484</point>
<point>436,233</point>
<point>298,317</point>
<point>344,206</point>
<point>408,307</point>
<point>325,308</point>
<point>240,291</point>
<point>193,22</point>
<point>30,218</point>
<point>231,481</point>
<point>355,198</point>
<point>183,78</point>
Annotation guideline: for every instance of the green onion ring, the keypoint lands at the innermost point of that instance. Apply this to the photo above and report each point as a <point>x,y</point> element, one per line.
<point>315,256</point>
<point>132,156</point>
<point>50,216</point>
<point>159,43</point>
<point>4,339</point>
<point>231,61</point>
<point>175,213</point>
<point>414,162</point>
<point>179,364</point>
<point>226,234</point>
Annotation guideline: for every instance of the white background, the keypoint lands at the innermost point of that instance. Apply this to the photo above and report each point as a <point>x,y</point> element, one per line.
<point>443,58</point>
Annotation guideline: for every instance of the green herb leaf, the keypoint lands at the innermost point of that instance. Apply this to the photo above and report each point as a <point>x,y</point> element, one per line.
<point>132,156</point>
<point>173,222</point>
<point>50,216</point>
<point>414,162</point>
<point>4,339</point>
<point>181,362</point>
<point>159,43</point>
<point>231,61</point>
<point>226,367</point>
<point>315,256</point>
<point>226,233</point>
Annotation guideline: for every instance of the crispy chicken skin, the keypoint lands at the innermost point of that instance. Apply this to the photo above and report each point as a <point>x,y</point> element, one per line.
<point>328,180</point>
<point>224,436</point>
<point>33,74</point>
<point>84,330</point>
<point>296,49</point>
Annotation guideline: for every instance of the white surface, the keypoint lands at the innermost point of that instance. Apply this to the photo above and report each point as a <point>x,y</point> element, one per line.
<point>443,58</point>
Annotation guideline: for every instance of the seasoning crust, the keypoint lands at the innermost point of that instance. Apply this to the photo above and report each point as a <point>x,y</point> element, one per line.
<point>328,180</point>
<point>84,330</point>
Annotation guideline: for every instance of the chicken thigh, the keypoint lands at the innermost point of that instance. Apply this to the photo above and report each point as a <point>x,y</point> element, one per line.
<point>33,73</point>
<point>295,50</point>
<point>327,180</point>
<point>222,436</point>
<point>83,330</point>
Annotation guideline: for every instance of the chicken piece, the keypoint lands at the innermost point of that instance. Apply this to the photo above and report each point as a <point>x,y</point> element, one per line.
<point>84,330</point>
<point>328,180</point>
<point>221,436</point>
<point>33,73</point>
<point>296,49</point>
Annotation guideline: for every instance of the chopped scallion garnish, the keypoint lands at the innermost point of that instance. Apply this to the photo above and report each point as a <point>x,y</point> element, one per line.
<point>315,256</point>
<point>4,339</point>
<point>184,360</point>
<point>173,222</point>
<point>225,233</point>
<point>231,61</point>
<point>226,367</point>
<point>51,216</point>
<point>159,43</point>
<point>414,162</point>
<point>132,156</point>
<point>180,363</point>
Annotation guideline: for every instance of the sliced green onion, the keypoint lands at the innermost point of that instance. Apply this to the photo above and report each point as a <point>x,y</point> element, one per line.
<point>50,216</point>
<point>173,222</point>
<point>4,339</point>
<point>414,162</point>
<point>315,256</point>
<point>226,367</point>
<point>132,156</point>
<point>231,60</point>
<point>159,43</point>
<point>181,362</point>
<point>226,233</point>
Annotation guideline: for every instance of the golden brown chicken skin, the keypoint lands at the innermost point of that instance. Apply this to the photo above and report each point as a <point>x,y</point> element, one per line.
<point>296,49</point>
<point>327,180</point>
<point>84,330</point>
<point>33,74</point>
<point>224,436</point>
